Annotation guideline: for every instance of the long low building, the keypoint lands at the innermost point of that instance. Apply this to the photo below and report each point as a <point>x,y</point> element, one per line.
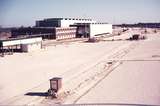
<point>57,33</point>
<point>25,44</point>
<point>44,32</point>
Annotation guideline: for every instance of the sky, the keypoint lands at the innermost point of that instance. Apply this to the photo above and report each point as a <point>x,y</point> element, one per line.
<point>26,12</point>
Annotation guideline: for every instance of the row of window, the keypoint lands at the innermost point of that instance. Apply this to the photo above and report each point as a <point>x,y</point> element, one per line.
<point>64,37</point>
<point>78,19</point>
<point>64,34</point>
<point>65,29</point>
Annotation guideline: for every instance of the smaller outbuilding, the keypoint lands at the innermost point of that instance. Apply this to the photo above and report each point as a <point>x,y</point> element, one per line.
<point>24,44</point>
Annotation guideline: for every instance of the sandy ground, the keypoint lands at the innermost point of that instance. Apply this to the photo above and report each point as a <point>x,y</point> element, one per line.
<point>76,63</point>
<point>135,81</point>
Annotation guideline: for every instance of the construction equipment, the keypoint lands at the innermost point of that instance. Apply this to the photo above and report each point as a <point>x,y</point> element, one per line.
<point>137,37</point>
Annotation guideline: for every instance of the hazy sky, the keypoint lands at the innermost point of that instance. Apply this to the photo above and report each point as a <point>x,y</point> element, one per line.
<point>25,12</point>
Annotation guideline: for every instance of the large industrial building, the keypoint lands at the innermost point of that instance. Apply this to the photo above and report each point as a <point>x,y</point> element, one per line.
<point>65,28</point>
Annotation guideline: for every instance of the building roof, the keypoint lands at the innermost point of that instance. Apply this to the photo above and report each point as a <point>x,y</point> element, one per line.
<point>80,19</point>
<point>90,23</point>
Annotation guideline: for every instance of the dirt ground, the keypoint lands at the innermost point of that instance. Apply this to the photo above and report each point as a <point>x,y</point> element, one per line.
<point>135,81</point>
<point>81,65</point>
